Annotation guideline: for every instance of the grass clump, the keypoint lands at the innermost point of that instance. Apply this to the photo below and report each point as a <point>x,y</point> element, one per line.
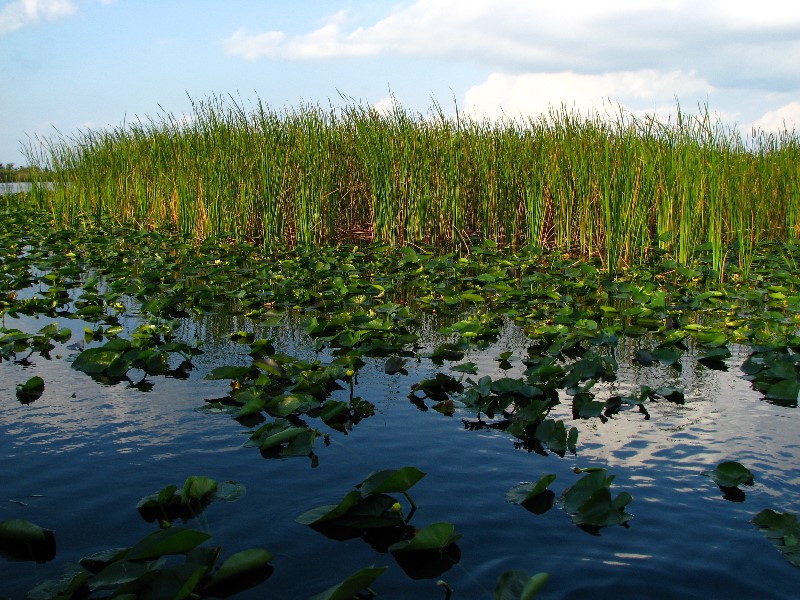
<point>312,176</point>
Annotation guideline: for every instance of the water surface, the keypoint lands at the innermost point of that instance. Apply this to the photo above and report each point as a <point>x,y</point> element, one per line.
<point>78,459</point>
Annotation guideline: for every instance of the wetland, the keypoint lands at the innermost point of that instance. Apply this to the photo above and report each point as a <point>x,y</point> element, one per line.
<point>589,392</point>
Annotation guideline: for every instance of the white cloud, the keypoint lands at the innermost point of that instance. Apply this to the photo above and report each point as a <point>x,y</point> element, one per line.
<point>533,94</point>
<point>387,105</point>
<point>20,13</point>
<point>255,46</point>
<point>328,41</point>
<point>733,56</point>
<point>786,117</point>
<point>733,38</point>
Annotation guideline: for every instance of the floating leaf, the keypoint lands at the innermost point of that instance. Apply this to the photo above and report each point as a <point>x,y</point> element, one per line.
<point>525,492</point>
<point>175,540</point>
<point>355,512</point>
<point>25,541</point>
<point>30,390</point>
<point>784,531</point>
<point>433,537</point>
<point>197,488</point>
<point>590,503</point>
<point>350,587</point>
<point>94,361</point>
<point>518,585</point>
<point>240,564</point>
<point>786,390</point>
<point>395,364</point>
<point>330,512</point>
<point>472,297</point>
<point>390,480</point>
<point>228,372</point>
<point>467,367</point>
<point>730,474</point>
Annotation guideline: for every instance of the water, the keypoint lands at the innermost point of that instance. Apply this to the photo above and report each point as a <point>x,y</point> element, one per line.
<point>78,460</point>
<point>19,187</point>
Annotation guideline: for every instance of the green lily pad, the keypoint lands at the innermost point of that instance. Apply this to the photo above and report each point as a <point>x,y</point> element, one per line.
<point>198,488</point>
<point>784,531</point>
<point>93,361</point>
<point>785,390</point>
<point>350,587</point>
<point>526,492</point>
<point>30,390</point>
<point>590,502</point>
<point>390,480</point>
<point>436,536</point>
<point>730,474</point>
<point>518,585</point>
<point>22,540</point>
<point>175,540</point>
<point>354,512</point>
<point>240,565</point>
<point>467,367</point>
<point>395,364</point>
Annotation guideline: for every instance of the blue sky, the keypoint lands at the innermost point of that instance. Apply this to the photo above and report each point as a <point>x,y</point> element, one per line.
<point>86,64</point>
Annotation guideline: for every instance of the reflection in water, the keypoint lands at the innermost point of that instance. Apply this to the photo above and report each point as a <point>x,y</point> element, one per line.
<point>99,448</point>
<point>20,187</point>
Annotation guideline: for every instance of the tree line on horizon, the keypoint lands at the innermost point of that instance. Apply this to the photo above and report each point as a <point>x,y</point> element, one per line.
<point>10,173</point>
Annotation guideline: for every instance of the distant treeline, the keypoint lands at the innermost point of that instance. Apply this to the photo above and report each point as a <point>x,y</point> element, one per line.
<point>10,173</point>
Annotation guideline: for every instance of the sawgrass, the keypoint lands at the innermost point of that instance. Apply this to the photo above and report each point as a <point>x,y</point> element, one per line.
<point>586,184</point>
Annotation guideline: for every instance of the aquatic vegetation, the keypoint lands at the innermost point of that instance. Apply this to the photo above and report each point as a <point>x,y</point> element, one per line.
<point>535,497</point>
<point>589,500</point>
<point>784,531</point>
<point>730,474</point>
<point>373,515</point>
<point>21,540</point>
<point>352,585</point>
<point>435,323</point>
<point>151,567</point>
<point>577,183</point>
<point>30,390</point>
<point>590,503</point>
<point>146,569</point>
<point>518,585</point>
<point>185,503</point>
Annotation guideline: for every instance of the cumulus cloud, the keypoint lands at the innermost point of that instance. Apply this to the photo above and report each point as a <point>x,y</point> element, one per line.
<point>387,105</point>
<point>534,94</point>
<point>786,117</point>
<point>21,13</point>
<point>736,40</point>
<point>328,41</point>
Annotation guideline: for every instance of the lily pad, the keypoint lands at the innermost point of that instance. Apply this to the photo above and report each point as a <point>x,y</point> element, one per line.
<point>240,565</point>
<point>175,540</point>
<point>518,585</point>
<point>590,502</point>
<point>525,492</point>
<point>350,587</point>
<point>30,390</point>
<point>730,474</point>
<point>390,480</point>
<point>784,531</point>
<point>22,540</point>
<point>437,536</point>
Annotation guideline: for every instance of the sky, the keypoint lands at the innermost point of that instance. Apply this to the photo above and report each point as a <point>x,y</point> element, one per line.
<point>69,66</point>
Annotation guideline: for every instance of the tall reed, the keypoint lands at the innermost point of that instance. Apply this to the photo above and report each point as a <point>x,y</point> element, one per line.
<point>581,183</point>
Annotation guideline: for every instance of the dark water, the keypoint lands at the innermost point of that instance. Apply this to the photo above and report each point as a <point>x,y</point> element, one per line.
<point>79,459</point>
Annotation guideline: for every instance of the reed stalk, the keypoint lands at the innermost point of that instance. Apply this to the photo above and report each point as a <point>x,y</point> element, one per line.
<point>584,184</point>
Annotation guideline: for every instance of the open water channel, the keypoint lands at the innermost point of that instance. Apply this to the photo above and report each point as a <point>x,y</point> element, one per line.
<point>78,459</point>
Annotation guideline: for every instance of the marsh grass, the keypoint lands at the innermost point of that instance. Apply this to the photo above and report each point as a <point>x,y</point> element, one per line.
<point>588,185</point>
